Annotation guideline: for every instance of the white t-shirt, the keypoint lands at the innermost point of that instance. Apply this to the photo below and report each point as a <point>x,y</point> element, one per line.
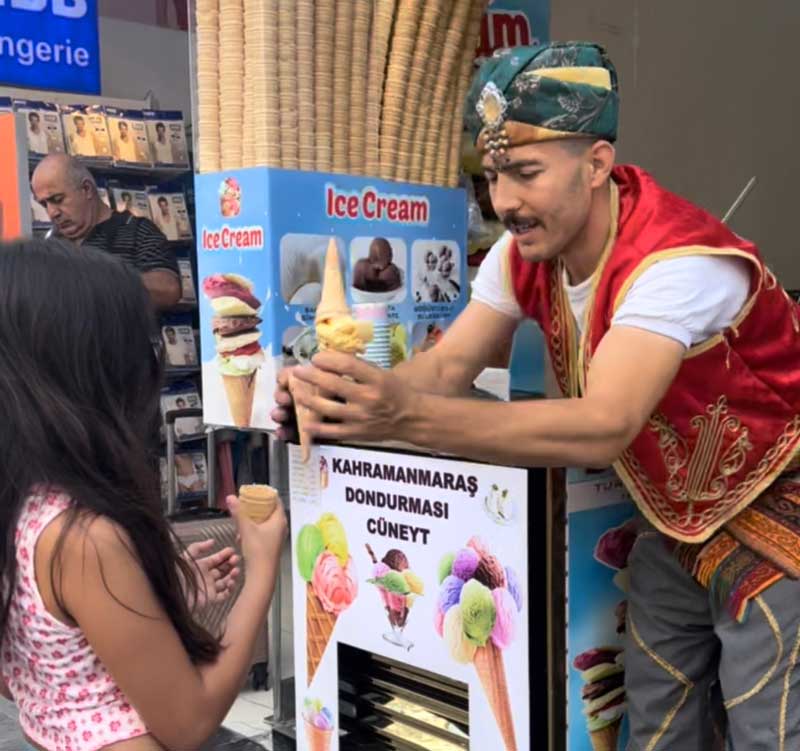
<point>37,142</point>
<point>82,145</point>
<point>126,150</point>
<point>687,299</point>
<point>163,151</point>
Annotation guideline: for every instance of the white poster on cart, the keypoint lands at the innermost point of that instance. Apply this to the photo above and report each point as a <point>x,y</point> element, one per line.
<point>418,559</point>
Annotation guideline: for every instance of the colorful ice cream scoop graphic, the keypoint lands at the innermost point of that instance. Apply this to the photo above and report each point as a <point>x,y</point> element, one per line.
<point>319,725</point>
<point>478,605</point>
<point>324,561</point>
<point>603,671</point>
<point>230,197</point>
<point>237,339</point>
<point>398,587</point>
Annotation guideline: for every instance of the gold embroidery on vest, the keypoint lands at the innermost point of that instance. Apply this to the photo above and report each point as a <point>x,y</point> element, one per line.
<point>561,335</point>
<point>691,524</point>
<point>719,452</point>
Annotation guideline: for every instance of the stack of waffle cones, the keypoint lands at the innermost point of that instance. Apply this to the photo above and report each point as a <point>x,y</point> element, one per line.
<point>371,87</point>
<point>342,57</point>
<point>261,83</point>
<point>208,85</point>
<point>491,670</point>
<point>394,97</point>
<point>231,82</point>
<point>324,35</point>
<point>319,629</point>
<point>305,84</point>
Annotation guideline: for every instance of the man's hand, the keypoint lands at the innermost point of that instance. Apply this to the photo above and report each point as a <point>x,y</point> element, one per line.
<point>216,574</point>
<point>365,402</point>
<point>283,414</point>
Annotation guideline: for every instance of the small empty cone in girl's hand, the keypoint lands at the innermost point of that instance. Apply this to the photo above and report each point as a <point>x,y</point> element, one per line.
<point>258,502</point>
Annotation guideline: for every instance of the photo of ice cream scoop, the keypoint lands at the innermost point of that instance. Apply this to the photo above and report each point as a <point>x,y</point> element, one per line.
<point>602,670</point>
<point>319,725</point>
<point>377,272</point>
<point>499,505</point>
<point>230,197</point>
<point>324,561</point>
<point>613,549</point>
<point>237,340</point>
<point>398,588</point>
<point>476,615</point>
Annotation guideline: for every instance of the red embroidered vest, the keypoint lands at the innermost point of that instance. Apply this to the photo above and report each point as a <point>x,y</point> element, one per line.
<point>730,422</point>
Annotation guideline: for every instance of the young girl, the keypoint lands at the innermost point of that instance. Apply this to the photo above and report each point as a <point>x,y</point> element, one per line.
<point>99,648</point>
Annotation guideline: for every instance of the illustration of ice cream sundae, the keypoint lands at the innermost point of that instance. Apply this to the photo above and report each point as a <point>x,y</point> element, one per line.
<point>230,197</point>
<point>319,725</point>
<point>499,505</point>
<point>324,561</point>
<point>603,671</point>
<point>237,338</point>
<point>398,587</point>
<point>476,615</point>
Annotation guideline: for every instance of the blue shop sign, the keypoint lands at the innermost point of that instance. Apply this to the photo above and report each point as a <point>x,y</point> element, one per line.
<point>50,44</point>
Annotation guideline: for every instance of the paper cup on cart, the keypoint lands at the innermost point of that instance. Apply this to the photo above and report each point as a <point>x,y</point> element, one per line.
<point>379,350</point>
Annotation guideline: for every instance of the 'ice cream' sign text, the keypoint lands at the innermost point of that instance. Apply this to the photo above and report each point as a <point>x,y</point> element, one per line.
<point>373,206</point>
<point>233,238</point>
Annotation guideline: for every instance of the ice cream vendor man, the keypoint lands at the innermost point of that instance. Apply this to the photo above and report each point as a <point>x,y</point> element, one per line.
<point>678,355</point>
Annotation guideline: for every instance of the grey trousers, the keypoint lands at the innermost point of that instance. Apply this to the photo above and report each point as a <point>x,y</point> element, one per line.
<point>682,648</point>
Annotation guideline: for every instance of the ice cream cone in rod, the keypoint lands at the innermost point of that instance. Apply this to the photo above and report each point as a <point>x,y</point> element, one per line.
<point>492,673</point>
<point>303,414</point>
<point>333,302</point>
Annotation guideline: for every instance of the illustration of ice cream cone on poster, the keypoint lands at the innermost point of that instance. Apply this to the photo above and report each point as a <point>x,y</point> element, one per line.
<point>398,587</point>
<point>336,330</point>
<point>603,671</point>
<point>237,338</point>
<point>319,725</point>
<point>476,615</point>
<point>324,562</point>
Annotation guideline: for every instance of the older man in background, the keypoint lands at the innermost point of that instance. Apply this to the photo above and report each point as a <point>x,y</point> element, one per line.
<point>68,192</point>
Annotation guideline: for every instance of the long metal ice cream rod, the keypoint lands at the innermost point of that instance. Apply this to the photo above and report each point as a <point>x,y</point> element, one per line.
<point>751,183</point>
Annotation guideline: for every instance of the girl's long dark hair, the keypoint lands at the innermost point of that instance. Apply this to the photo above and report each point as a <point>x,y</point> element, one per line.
<point>79,391</point>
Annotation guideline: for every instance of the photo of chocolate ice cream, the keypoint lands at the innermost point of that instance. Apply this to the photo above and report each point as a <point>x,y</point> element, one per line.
<point>378,269</point>
<point>378,272</point>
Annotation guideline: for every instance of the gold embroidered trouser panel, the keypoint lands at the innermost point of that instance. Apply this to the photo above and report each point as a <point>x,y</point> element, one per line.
<point>693,673</point>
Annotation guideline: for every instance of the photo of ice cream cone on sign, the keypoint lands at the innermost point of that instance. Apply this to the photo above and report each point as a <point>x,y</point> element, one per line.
<point>398,587</point>
<point>324,562</point>
<point>258,502</point>
<point>237,339</point>
<point>319,725</point>
<point>336,330</point>
<point>603,671</point>
<point>476,615</point>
